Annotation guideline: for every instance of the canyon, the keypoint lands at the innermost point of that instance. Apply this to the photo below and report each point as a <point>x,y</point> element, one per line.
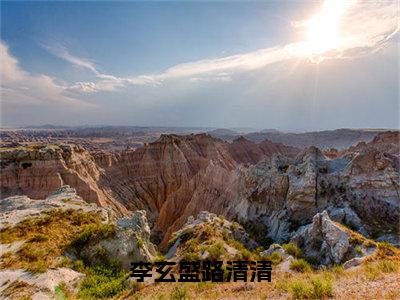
<point>177,176</point>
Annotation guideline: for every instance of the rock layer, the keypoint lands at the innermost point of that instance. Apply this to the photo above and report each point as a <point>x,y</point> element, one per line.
<point>179,176</point>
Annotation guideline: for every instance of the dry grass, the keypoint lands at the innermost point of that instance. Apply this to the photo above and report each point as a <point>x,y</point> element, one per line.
<point>46,238</point>
<point>375,279</point>
<point>19,290</point>
<point>355,237</point>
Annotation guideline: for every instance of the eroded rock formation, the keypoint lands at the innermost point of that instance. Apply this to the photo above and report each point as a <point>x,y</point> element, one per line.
<point>179,176</point>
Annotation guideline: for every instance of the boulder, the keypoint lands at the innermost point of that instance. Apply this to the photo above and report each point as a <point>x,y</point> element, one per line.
<point>272,249</point>
<point>354,262</point>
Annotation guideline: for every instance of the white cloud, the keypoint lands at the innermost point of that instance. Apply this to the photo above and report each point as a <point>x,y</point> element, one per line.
<point>18,87</point>
<point>63,53</point>
<point>362,28</point>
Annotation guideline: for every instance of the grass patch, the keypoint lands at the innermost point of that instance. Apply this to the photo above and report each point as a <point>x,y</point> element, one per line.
<point>19,290</point>
<point>179,293</point>
<point>46,238</point>
<point>215,250</point>
<point>244,253</point>
<point>275,258</point>
<point>314,287</point>
<point>300,265</point>
<point>292,249</point>
<point>385,249</point>
<point>355,237</point>
<point>62,292</point>
<point>185,235</point>
<point>377,269</point>
<point>103,281</point>
<point>92,234</point>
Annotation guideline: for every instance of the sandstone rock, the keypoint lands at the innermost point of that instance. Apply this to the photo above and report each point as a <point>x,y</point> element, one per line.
<point>179,176</point>
<point>130,243</point>
<point>358,188</point>
<point>18,208</point>
<point>41,286</point>
<point>323,240</point>
<point>38,171</point>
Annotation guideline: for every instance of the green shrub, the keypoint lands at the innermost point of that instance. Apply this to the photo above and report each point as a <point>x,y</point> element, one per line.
<point>322,287</point>
<point>358,249</point>
<point>186,234</point>
<point>216,250</point>
<point>386,249</point>
<point>62,292</point>
<point>246,254</point>
<point>78,265</point>
<point>300,265</point>
<point>317,287</point>
<point>190,256</point>
<point>93,233</point>
<point>275,258</point>
<point>338,270</point>
<point>172,240</point>
<point>388,266</point>
<point>103,281</point>
<point>292,249</point>
<point>159,257</point>
<point>374,270</point>
<point>300,289</point>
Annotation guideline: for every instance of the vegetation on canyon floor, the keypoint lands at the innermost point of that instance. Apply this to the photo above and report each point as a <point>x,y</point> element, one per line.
<point>47,238</point>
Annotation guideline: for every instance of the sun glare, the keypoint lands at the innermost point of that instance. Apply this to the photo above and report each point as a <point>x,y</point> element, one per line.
<point>323,28</point>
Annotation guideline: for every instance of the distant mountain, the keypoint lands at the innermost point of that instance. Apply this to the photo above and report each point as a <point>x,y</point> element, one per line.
<point>225,134</point>
<point>339,138</point>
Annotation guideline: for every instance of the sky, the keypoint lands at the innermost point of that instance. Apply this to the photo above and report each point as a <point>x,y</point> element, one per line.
<point>288,65</point>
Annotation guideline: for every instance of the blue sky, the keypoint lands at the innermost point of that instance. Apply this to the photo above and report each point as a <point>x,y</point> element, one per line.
<point>286,65</point>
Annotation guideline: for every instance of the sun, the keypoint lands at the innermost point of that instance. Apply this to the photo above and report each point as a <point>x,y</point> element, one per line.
<point>323,29</point>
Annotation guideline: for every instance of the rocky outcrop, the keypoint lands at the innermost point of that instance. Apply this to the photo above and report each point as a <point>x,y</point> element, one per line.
<point>19,284</point>
<point>248,152</point>
<point>126,240</point>
<point>274,248</point>
<point>323,240</point>
<point>131,242</point>
<point>178,176</point>
<point>359,189</point>
<point>171,178</point>
<point>206,231</point>
<point>38,171</point>
<point>18,208</point>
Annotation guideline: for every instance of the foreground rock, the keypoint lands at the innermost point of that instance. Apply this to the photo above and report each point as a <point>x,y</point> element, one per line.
<point>327,242</point>
<point>19,284</point>
<point>129,243</point>
<point>42,239</point>
<point>210,237</point>
<point>18,208</point>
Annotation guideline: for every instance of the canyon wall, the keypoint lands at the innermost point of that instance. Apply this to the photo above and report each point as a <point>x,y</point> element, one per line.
<point>179,176</point>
